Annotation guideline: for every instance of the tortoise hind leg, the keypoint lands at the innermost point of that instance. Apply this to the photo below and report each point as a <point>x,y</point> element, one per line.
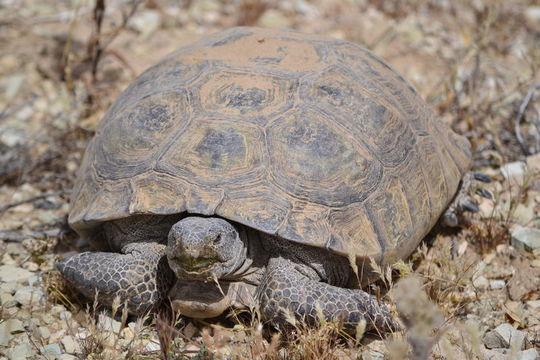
<point>288,287</point>
<point>140,276</point>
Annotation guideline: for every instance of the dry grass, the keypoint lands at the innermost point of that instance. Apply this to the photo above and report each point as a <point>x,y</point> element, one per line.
<point>474,62</point>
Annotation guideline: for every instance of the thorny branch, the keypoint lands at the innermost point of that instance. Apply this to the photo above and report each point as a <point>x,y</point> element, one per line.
<point>519,117</point>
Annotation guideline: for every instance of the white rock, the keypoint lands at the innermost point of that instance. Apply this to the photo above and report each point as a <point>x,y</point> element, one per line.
<point>146,22</point>
<point>8,328</point>
<point>515,171</point>
<point>530,354</point>
<point>12,85</point>
<point>8,260</point>
<point>29,296</point>
<point>533,161</point>
<point>152,346</point>
<point>532,16</point>
<point>7,300</point>
<point>57,309</point>
<point>44,332</point>
<point>525,238</point>
<point>481,283</point>
<point>12,273</point>
<point>274,19</point>
<point>497,284</point>
<point>533,305</point>
<point>504,336</point>
<point>51,349</point>
<point>20,352</point>
<point>67,357</point>
<point>494,355</point>
<point>107,323</point>
<point>70,345</point>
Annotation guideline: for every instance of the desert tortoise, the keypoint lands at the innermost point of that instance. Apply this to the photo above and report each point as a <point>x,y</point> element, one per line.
<point>252,166</point>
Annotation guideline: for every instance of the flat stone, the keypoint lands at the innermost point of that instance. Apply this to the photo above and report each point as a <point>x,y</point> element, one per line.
<point>152,346</point>
<point>532,16</point>
<point>274,19</point>
<point>494,355</point>
<point>44,332</point>
<point>515,172</point>
<point>504,336</point>
<point>8,328</point>
<point>497,284</point>
<point>67,357</point>
<point>525,238</point>
<point>20,351</point>
<point>70,345</point>
<point>146,22</point>
<point>51,349</point>
<point>530,354</point>
<point>481,283</point>
<point>13,273</point>
<point>106,323</point>
<point>7,300</point>
<point>533,305</point>
<point>29,296</point>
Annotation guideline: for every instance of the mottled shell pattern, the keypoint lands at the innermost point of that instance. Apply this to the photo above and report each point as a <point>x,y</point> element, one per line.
<point>316,140</point>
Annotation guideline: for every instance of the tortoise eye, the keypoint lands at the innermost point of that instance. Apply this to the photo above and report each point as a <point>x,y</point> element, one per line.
<point>217,239</point>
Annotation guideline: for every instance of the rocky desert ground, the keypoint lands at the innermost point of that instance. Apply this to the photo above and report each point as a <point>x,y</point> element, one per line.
<point>472,293</point>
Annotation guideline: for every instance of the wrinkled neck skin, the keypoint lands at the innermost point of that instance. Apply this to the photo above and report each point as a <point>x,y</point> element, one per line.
<point>251,267</point>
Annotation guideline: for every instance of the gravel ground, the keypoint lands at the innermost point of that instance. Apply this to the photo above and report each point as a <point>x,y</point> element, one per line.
<point>476,291</point>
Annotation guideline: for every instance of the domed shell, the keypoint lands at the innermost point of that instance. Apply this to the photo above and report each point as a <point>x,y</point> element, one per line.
<point>318,141</point>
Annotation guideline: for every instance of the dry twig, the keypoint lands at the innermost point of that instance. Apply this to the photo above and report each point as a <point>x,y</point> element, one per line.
<point>521,112</point>
<point>34,198</point>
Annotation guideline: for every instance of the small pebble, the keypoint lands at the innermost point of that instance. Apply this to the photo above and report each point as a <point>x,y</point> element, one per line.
<point>12,273</point>
<point>51,349</point>
<point>29,296</point>
<point>526,239</point>
<point>152,346</point>
<point>530,354</point>
<point>44,332</point>
<point>8,328</point>
<point>7,300</point>
<point>20,351</point>
<point>497,284</point>
<point>515,171</point>
<point>67,357</point>
<point>107,323</point>
<point>70,345</point>
<point>504,336</point>
<point>481,283</point>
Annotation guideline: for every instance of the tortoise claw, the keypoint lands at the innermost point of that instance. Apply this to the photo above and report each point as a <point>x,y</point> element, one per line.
<point>484,193</point>
<point>450,219</point>
<point>470,206</point>
<point>481,177</point>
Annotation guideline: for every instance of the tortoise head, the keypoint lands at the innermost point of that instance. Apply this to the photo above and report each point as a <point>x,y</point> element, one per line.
<point>202,248</point>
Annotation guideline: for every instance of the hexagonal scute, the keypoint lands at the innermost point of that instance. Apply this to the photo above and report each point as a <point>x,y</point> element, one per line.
<point>216,152</point>
<point>364,113</point>
<point>129,143</point>
<point>314,160</point>
<point>257,205</point>
<point>254,96</point>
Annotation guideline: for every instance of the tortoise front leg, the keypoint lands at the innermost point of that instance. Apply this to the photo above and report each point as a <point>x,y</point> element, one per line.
<point>288,287</point>
<point>463,200</point>
<point>140,276</point>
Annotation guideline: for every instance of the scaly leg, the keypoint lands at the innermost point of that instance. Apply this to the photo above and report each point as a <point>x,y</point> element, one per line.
<point>289,287</point>
<point>140,275</point>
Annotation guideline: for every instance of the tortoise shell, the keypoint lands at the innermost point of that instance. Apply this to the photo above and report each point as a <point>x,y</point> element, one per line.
<point>315,140</point>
